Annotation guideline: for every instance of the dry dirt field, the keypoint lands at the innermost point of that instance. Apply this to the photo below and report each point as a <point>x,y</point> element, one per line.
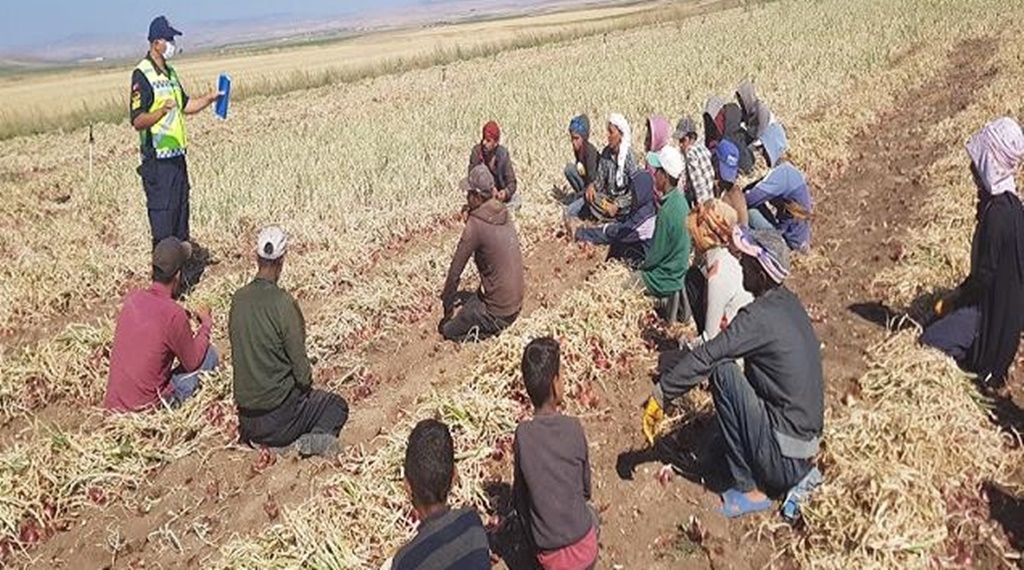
<point>877,96</point>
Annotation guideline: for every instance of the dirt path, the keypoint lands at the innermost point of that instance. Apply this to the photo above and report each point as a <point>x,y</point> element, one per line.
<point>193,505</point>
<point>861,214</point>
<point>418,361</point>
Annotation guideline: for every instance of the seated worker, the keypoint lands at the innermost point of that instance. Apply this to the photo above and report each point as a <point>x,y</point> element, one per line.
<point>491,239</point>
<point>771,413</point>
<point>630,240</point>
<point>277,406</point>
<point>658,134</point>
<point>495,157</point>
<point>446,538</point>
<point>551,488</point>
<point>714,285</point>
<point>785,188</point>
<point>983,318</point>
<point>714,121</point>
<point>732,131</point>
<point>700,172</point>
<point>609,198</point>
<point>756,115</point>
<point>583,171</point>
<point>727,161</point>
<point>152,331</point>
<point>669,256</point>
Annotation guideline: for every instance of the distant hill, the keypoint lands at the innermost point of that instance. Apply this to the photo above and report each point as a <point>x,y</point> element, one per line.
<point>93,48</point>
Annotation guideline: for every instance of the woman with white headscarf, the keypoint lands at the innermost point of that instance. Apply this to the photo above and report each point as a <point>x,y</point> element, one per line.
<point>610,198</point>
<point>982,319</point>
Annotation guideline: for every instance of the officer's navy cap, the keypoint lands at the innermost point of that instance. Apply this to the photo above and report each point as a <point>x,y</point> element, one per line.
<point>160,29</point>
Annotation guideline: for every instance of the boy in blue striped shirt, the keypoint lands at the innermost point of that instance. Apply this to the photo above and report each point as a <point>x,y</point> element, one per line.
<point>446,538</point>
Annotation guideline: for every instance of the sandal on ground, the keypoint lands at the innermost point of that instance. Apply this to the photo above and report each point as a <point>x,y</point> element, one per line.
<point>735,504</point>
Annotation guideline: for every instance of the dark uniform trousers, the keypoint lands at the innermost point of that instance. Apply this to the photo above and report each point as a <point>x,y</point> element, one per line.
<point>165,182</point>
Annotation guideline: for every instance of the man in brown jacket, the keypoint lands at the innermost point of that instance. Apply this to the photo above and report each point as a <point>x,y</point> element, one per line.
<point>491,238</point>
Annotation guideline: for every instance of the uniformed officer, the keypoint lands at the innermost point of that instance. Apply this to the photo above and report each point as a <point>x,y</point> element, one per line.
<point>158,106</point>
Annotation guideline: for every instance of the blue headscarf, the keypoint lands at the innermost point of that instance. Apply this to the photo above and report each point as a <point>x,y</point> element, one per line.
<point>580,125</point>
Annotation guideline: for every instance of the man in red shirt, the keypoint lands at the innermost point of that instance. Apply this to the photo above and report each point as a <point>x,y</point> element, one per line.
<point>152,331</point>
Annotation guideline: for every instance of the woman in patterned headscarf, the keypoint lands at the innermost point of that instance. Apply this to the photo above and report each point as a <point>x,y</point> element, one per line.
<point>983,318</point>
<point>714,284</point>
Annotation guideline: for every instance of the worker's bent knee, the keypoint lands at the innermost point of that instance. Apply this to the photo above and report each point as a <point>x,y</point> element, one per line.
<point>338,402</point>
<point>211,360</point>
<point>726,377</point>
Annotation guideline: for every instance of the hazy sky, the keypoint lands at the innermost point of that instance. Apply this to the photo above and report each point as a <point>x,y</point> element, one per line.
<point>36,24</point>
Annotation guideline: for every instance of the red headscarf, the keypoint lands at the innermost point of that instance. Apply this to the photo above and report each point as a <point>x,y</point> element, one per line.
<point>492,131</point>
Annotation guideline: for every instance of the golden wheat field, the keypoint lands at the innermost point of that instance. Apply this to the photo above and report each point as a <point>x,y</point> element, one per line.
<point>877,97</point>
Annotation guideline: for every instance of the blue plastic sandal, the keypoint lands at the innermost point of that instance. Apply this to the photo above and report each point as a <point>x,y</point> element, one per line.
<point>735,504</point>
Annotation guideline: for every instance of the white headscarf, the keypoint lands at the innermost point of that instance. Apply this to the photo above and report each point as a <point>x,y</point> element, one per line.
<point>619,122</point>
<point>996,151</point>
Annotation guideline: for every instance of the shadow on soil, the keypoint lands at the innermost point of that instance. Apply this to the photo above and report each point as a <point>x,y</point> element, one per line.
<point>921,312</point>
<point>195,268</point>
<point>1007,510</point>
<point>509,540</point>
<point>1005,412</point>
<point>693,450</point>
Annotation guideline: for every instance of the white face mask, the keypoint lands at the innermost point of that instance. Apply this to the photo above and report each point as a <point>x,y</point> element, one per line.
<point>169,50</point>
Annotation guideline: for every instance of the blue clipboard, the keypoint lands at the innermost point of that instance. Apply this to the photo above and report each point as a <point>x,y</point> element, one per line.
<point>223,86</point>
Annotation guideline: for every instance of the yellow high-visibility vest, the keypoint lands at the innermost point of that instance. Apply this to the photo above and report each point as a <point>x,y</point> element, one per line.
<point>167,136</point>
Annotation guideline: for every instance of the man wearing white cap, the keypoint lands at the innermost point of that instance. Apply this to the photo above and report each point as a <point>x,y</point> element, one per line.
<point>669,256</point>
<point>771,411</point>
<point>277,406</point>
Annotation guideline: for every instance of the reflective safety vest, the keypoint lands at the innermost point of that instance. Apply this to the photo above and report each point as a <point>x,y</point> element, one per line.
<point>167,136</point>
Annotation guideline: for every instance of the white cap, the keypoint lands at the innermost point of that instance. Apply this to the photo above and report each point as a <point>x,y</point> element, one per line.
<point>668,159</point>
<point>272,243</point>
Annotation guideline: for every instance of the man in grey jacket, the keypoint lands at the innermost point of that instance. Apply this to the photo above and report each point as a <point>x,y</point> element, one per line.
<point>772,411</point>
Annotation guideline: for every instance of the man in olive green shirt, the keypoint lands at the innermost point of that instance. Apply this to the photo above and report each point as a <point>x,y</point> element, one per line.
<point>669,256</point>
<point>277,406</point>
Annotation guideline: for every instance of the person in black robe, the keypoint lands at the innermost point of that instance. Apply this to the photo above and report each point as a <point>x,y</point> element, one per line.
<point>983,318</point>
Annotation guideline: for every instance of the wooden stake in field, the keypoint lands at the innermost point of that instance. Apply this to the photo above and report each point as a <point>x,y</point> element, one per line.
<point>92,143</point>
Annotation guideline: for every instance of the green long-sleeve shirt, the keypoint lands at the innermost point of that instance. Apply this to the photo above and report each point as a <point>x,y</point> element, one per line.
<point>669,256</point>
<point>268,345</point>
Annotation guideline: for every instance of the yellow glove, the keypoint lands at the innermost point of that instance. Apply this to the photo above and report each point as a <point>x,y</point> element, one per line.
<point>653,416</point>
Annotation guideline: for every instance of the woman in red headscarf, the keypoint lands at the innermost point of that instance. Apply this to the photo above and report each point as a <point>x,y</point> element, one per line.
<point>495,157</point>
